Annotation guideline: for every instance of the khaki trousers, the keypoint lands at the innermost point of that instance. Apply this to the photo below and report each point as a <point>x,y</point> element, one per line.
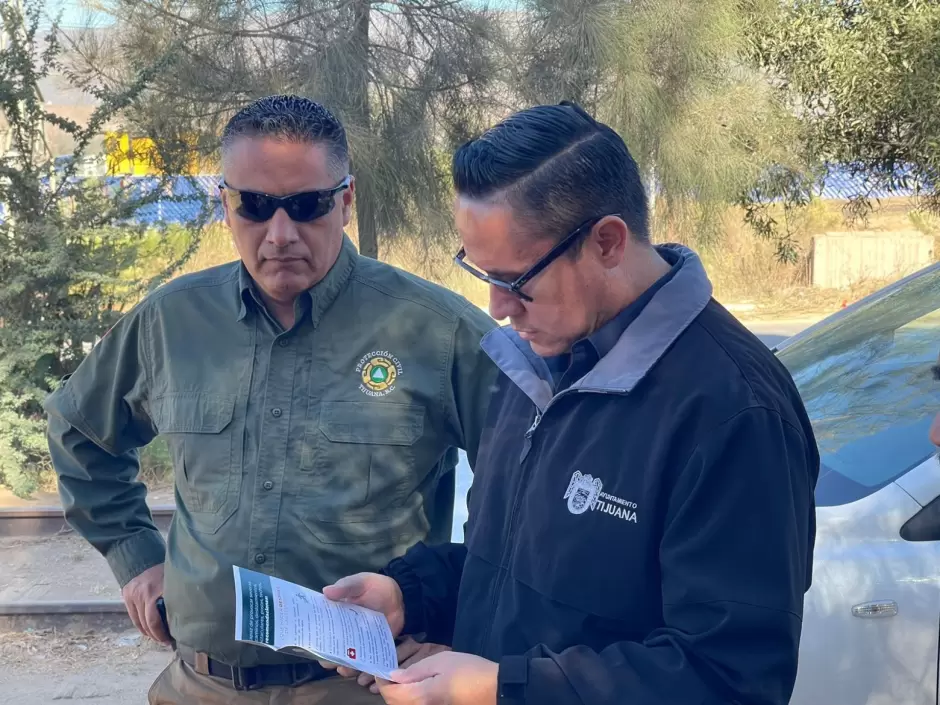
<point>179,684</point>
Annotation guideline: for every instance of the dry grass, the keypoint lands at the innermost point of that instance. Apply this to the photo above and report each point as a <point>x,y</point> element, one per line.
<point>743,268</point>
<point>71,651</point>
<point>216,248</point>
<point>436,264</point>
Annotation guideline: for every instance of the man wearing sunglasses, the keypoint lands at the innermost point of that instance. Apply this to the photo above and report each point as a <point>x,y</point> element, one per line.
<point>314,402</point>
<point>641,517</point>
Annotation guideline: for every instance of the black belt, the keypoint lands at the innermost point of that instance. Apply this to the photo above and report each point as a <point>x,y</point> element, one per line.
<point>279,675</point>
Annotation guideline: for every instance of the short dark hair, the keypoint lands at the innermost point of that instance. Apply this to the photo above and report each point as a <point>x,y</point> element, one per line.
<point>557,167</point>
<point>291,118</point>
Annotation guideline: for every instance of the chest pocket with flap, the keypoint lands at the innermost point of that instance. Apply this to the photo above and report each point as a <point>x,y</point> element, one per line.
<point>199,430</point>
<point>359,454</point>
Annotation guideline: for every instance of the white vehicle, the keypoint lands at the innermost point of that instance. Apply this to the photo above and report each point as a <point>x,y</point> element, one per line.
<point>871,622</point>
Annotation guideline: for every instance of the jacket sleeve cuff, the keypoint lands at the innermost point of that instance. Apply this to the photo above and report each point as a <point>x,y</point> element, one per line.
<point>527,680</point>
<point>137,553</point>
<point>410,584</point>
<point>512,680</point>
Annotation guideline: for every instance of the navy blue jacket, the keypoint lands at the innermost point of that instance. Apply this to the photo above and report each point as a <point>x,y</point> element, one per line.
<point>645,536</point>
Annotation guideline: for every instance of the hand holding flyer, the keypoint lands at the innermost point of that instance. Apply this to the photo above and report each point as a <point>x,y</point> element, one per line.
<point>287,617</point>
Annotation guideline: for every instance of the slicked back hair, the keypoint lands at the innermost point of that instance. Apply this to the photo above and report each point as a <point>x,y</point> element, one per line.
<point>557,168</point>
<point>291,118</point>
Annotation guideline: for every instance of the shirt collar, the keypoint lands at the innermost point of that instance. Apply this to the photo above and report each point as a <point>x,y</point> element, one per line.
<point>247,291</point>
<point>319,297</point>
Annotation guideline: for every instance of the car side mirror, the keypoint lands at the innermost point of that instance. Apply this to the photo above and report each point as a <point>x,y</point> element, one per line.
<point>925,524</point>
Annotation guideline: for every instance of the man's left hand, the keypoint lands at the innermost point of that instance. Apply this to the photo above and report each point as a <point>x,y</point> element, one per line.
<point>447,678</point>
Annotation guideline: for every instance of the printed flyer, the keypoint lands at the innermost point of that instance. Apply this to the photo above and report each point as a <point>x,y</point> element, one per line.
<point>287,617</point>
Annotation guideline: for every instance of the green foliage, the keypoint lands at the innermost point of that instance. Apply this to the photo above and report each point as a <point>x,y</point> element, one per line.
<point>156,465</point>
<point>772,207</point>
<point>862,76</point>
<point>66,248</point>
<point>745,101</point>
<point>672,77</point>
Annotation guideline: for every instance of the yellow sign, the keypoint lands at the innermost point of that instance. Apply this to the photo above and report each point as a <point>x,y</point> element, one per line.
<point>130,156</point>
<point>139,156</point>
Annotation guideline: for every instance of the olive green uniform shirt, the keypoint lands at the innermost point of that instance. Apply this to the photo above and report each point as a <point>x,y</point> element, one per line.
<point>308,454</point>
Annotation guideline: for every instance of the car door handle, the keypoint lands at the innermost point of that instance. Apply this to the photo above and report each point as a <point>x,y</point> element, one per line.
<point>876,609</point>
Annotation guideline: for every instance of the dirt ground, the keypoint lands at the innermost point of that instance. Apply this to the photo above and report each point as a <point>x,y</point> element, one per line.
<point>42,668</point>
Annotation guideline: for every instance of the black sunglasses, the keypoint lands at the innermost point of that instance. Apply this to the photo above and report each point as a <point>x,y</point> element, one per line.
<point>300,207</point>
<point>557,251</point>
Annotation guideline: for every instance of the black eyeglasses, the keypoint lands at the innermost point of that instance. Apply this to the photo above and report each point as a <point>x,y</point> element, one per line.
<point>557,251</point>
<point>300,207</point>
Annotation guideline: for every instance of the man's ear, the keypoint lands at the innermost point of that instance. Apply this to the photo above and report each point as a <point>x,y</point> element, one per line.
<point>226,206</point>
<point>348,197</point>
<point>610,237</point>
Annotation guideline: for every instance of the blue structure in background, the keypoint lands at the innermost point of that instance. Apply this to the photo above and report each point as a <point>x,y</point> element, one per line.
<point>840,184</point>
<point>185,201</point>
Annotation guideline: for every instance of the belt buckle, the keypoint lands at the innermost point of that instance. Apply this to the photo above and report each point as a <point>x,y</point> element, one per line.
<point>240,683</point>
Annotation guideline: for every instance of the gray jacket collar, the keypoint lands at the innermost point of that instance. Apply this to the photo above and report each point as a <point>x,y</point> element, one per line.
<point>671,310</point>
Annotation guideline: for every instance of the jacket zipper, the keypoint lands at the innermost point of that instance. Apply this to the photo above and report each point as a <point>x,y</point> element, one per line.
<point>535,423</point>
<point>508,546</point>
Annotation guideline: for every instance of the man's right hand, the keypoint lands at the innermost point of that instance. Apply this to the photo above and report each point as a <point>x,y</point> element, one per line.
<point>374,591</point>
<point>409,653</point>
<point>140,597</point>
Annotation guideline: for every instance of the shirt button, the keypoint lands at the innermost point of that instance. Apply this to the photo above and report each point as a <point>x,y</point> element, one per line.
<point>283,342</point>
<point>259,558</point>
<point>276,413</point>
<point>268,485</point>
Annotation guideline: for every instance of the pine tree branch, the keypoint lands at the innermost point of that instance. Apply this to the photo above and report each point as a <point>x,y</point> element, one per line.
<point>267,32</point>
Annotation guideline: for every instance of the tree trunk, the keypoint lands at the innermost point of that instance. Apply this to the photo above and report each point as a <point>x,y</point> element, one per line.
<point>365,216</point>
<point>365,193</point>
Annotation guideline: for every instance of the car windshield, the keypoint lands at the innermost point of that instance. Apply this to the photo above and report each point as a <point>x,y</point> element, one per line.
<point>866,380</point>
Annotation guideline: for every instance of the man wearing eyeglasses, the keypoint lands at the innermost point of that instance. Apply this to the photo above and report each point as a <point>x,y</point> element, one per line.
<point>641,516</point>
<point>313,400</point>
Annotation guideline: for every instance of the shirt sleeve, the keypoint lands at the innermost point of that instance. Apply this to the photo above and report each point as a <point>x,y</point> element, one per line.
<point>736,560</point>
<point>473,376</point>
<point>429,578</point>
<point>97,420</point>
